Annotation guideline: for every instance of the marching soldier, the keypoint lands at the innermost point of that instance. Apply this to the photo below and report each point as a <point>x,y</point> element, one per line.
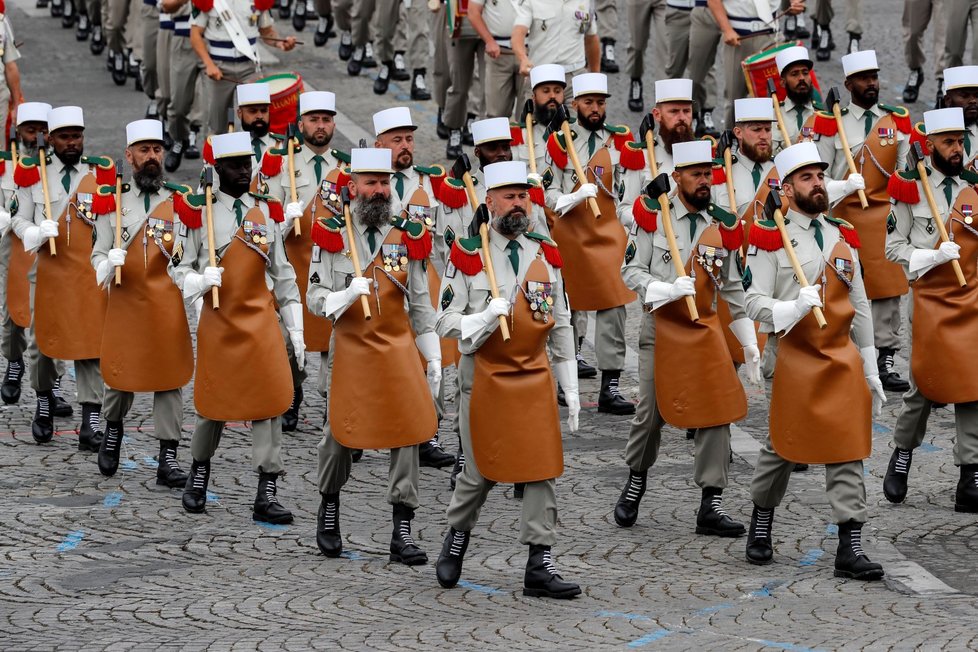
<point>917,16</point>
<point>146,301</point>
<point>67,306</point>
<point>254,103</point>
<point>564,34</point>
<point>961,90</point>
<point>645,19</point>
<point>391,289</point>
<point>493,21</point>
<point>755,156</point>
<point>185,68</point>
<point>547,86</point>
<point>505,442</point>
<point>822,34</point>
<point>708,239</point>
<point>817,369</point>
<point>677,23</point>
<point>11,95</point>
<point>412,17</point>
<point>242,371</point>
<point>795,68</point>
<point>941,368</point>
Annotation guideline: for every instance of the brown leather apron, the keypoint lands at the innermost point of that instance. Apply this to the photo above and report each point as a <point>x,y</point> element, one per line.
<point>593,249</point>
<point>696,383</point>
<point>945,317</point>
<point>146,344</point>
<point>821,408</point>
<point>69,305</point>
<point>316,329</point>
<point>513,419</point>
<point>18,287</point>
<point>243,369</point>
<point>876,162</point>
<point>378,395</point>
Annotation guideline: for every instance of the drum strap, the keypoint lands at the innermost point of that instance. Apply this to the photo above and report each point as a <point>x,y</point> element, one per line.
<point>236,32</point>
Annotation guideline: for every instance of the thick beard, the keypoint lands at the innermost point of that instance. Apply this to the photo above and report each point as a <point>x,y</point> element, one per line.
<point>669,137</point>
<point>542,115</point>
<point>149,178</point>
<point>868,98</point>
<point>317,141</point>
<point>375,211</point>
<point>257,129</point>
<point>751,152</point>
<point>70,158</point>
<point>803,97</point>
<point>700,203</point>
<point>946,167</point>
<point>515,222</point>
<point>815,203</point>
<point>590,125</point>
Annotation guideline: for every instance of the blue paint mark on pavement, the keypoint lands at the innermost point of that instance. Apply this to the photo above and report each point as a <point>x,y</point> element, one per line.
<point>150,462</point>
<point>349,554</point>
<point>619,614</point>
<point>488,590</point>
<point>71,541</point>
<point>785,646</point>
<point>831,528</point>
<point>212,497</point>
<point>811,557</point>
<point>113,499</point>
<point>128,465</point>
<point>651,637</point>
<point>929,448</point>
<point>880,429</point>
<point>271,526</point>
<point>706,611</point>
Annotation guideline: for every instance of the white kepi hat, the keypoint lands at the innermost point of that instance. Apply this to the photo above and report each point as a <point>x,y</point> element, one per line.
<point>591,83</point>
<point>694,152</point>
<point>33,112</point>
<point>65,116</point>
<point>398,117</point>
<point>957,77</point>
<point>791,55</point>
<point>673,90</point>
<point>317,101</point>
<point>506,173</point>
<point>253,94</point>
<point>859,62</point>
<point>939,121</point>
<point>236,143</point>
<point>754,109</point>
<point>142,130</point>
<point>548,73</point>
<point>490,130</point>
<point>797,156</point>
<point>371,159</point>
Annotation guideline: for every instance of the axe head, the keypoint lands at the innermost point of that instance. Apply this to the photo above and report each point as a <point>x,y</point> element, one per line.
<point>560,117</point>
<point>230,120</point>
<point>208,176</point>
<point>773,203</point>
<point>772,88</point>
<point>527,110</point>
<point>345,196</point>
<point>648,124</point>
<point>916,154</point>
<point>725,142</point>
<point>481,217</point>
<point>13,134</point>
<point>363,144</point>
<point>120,164</point>
<point>831,99</point>
<point>658,186</point>
<point>41,141</point>
<point>461,167</point>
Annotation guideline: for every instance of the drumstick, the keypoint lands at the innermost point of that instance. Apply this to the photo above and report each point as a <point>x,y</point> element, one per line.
<point>42,162</point>
<point>118,217</point>
<point>941,229</point>
<point>272,39</point>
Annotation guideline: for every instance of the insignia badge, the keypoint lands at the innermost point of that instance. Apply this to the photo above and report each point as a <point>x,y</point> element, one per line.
<point>891,223</point>
<point>347,280</point>
<point>794,243</point>
<point>807,133</point>
<point>14,205</point>
<point>598,170</point>
<point>540,296</point>
<point>330,196</point>
<point>125,234</point>
<point>157,230</point>
<point>177,254</point>
<point>314,279</point>
<point>317,253</point>
<point>450,270</point>
<point>774,183</point>
<point>630,251</point>
<point>752,250</point>
<point>394,257</point>
<point>449,236</point>
<point>548,177</point>
<point>574,178</point>
<point>446,297</point>
<point>930,226</point>
<point>83,204</point>
<point>967,211</point>
<point>747,278</point>
<point>182,231</point>
<point>666,257</point>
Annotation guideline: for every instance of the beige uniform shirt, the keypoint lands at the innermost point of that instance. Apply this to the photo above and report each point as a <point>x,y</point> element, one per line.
<point>791,112</point>
<point>556,31</point>
<point>586,144</point>
<point>830,149</point>
<point>743,183</point>
<point>306,184</point>
<point>136,207</point>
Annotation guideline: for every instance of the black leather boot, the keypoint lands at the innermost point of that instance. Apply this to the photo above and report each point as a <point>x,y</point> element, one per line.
<point>383,81</point>
<point>454,147</point>
<point>400,71</point>
<point>850,560</point>
<point>10,390</point>
<point>610,401</point>
<point>357,455</point>
<point>119,72</point>
<point>433,456</point>
<point>897,474</point>
<point>42,428</point>
<point>419,89</point>
<point>290,420</point>
<point>108,452</point>
<point>892,382</point>
<point>323,28</point>
<point>195,491</point>
<point>711,519</point>
<point>168,472</point>
<point>328,526</point>
<point>299,16</point>
<point>912,89</point>
<point>345,49</point>
<point>355,63</point>
<point>57,8</point>
<point>403,547</point>
<point>368,55</point>
<point>542,580</point>
<point>174,157</point>
<point>90,431</point>
<point>626,510</point>
<point>825,42</point>
<point>441,128</point>
<point>61,408</point>
<point>285,8</point>
<point>69,15</point>
<point>608,62</point>
<point>584,370</point>
<point>267,508</point>
<point>635,102</point>
<point>448,568</point>
<point>83,28</point>
<point>518,490</point>
<point>760,548</point>
<point>192,150</point>
<point>97,44</point>
<point>467,138</point>
<point>966,496</point>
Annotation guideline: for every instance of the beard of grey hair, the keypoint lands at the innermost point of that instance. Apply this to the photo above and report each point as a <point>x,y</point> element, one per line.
<point>149,179</point>
<point>375,211</point>
<point>515,222</point>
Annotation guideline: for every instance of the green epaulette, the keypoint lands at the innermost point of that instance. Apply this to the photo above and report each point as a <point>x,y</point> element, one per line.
<point>100,161</point>
<point>341,156</point>
<point>729,220</point>
<point>266,198</point>
<point>433,171</point>
<point>176,187</point>
<point>838,222</point>
<point>818,106</point>
<point>6,156</point>
<point>911,174</point>
<point>539,237</point>
<point>970,177</point>
<point>901,111</point>
<point>469,245</point>
<point>335,223</point>
<point>617,129</point>
<point>414,229</point>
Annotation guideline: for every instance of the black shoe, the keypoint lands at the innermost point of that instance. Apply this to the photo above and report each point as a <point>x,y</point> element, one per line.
<point>195,491</point>
<point>119,74</point>
<point>824,43</point>
<point>61,408</point>
<point>712,520</point>
<point>42,428</point>
<point>854,43</point>
<point>760,548</point>
<point>518,490</point>
<point>610,401</point>
<point>706,125</point>
<point>403,547</point>
<point>912,90</point>
<point>132,64</point>
<point>850,560</point>
<point>285,9</point>
<point>608,63</point>
<point>454,147</point>
<point>790,28</point>
<point>10,390</point>
<point>626,510</point>
<point>891,380</point>
<point>635,102</point>
<point>459,465</point>
<point>799,468</point>
<point>419,91</point>
<point>299,16</point>
<point>108,452</point>
<point>434,456</point>
<point>368,55</point>
<point>57,8</point>
<point>355,64</point>
<point>400,71</point>
<point>167,139</point>
<point>152,111</point>
<point>328,526</point>
<point>323,29</point>
<point>383,80</point>
<point>584,370</point>
<point>267,508</point>
<point>801,31</point>
<point>90,431</point>
<point>897,474</point>
<point>966,496</point>
<point>357,455</point>
<point>448,568</point>
<point>467,138</point>
<point>69,15</point>
<point>440,128</point>
<point>97,45</point>
<point>346,46</point>
<point>173,158</point>
<point>192,151</point>
<point>690,434</point>
<point>542,580</point>
<point>83,28</point>
<point>168,472</point>
<point>939,101</point>
<point>290,420</point>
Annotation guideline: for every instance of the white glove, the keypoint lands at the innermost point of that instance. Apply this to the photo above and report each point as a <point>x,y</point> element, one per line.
<point>659,293</point>
<point>839,189</point>
<point>566,203</point>
<point>106,268</point>
<point>743,330</point>
<point>35,236</point>
<point>4,222</point>
<point>337,302</point>
<point>487,321</point>
<point>49,229</point>
<point>430,347</point>
<point>194,284</point>
<point>924,260</point>
<point>293,210</point>
<point>871,371</point>
<point>854,182</point>
<point>789,313</point>
<point>292,319</point>
<point>566,373</point>
<point>117,257</point>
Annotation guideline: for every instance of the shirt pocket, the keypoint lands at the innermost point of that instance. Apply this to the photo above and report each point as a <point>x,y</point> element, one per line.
<point>342,272</point>
<point>479,292</point>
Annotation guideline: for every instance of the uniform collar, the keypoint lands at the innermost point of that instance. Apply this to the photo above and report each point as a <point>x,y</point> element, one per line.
<point>679,209</point>
<point>227,201</point>
<point>361,228</point>
<point>858,112</point>
<point>803,221</point>
<point>500,242</point>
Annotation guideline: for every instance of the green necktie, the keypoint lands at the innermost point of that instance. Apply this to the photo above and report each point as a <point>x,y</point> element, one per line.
<point>756,175</point>
<point>592,142</point>
<point>800,116</point>
<point>514,255</point>
<point>399,184</point>
<point>146,198</point>
<point>818,233</point>
<point>238,211</point>
<point>868,124</point>
<point>66,177</point>
<point>318,166</point>
<point>256,143</point>
<point>372,233</point>
<point>692,227</point>
<point>948,186</point>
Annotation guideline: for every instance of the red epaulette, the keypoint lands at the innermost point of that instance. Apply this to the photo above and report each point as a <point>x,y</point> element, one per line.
<point>719,175</point>
<point>847,231</point>
<point>537,196</point>
<point>515,134</point>
<point>632,156</point>
<point>825,124</point>
<point>468,261</point>
<point>765,235</point>
<point>189,211</point>
<point>917,135</point>
<point>204,5</point>
<point>645,212</point>
<point>902,188</point>
<point>26,175</point>
<point>271,164</point>
<point>208,153</point>
<point>327,234</point>
<point>103,200</point>
<point>557,151</point>
<point>451,192</point>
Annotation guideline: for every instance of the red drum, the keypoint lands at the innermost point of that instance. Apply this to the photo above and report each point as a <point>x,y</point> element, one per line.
<point>284,89</point>
<point>760,67</point>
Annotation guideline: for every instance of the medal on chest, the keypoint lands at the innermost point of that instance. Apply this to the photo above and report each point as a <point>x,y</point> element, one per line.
<point>887,136</point>
<point>256,233</point>
<point>394,257</point>
<point>540,296</point>
<point>710,258</point>
<point>159,230</point>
